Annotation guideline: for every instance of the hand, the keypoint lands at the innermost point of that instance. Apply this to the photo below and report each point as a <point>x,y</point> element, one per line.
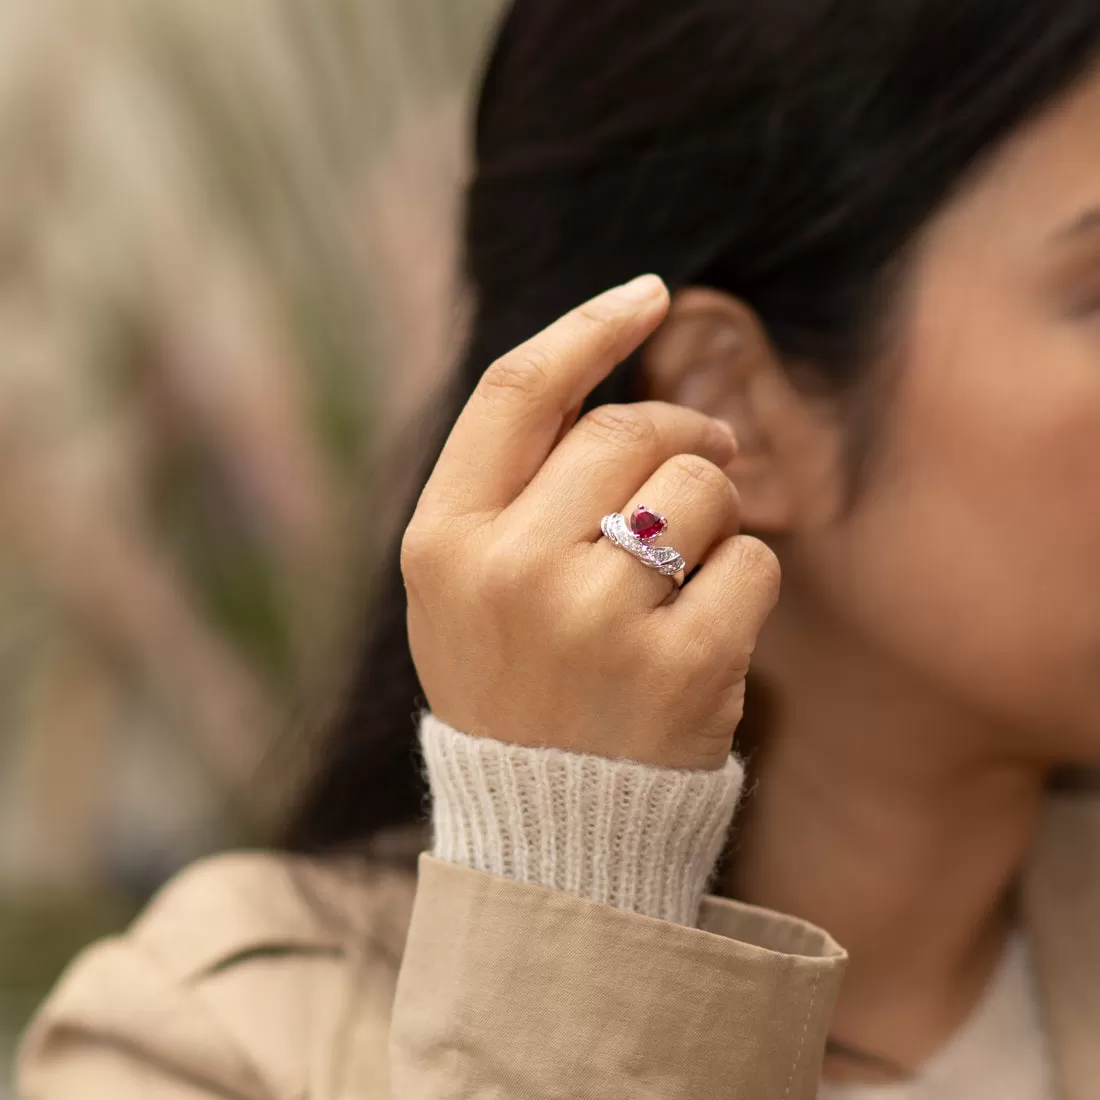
<point>526,625</point>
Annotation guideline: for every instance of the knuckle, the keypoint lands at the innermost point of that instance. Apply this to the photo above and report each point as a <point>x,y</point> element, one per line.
<point>622,425</point>
<point>420,546</point>
<point>509,572</point>
<point>699,472</point>
<point>525,371</point>
<point>596,316</point>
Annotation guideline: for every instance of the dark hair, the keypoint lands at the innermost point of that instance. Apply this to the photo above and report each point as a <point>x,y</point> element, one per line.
<point>786,151</point>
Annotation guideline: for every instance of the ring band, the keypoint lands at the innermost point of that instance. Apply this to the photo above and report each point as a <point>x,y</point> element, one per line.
<point>664,559</point>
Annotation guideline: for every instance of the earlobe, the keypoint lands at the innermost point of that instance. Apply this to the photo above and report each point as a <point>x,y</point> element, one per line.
<point>762,476</point>
<point>712,354</point>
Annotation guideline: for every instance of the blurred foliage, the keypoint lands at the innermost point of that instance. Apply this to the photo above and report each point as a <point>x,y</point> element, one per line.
<point>39,936</point>
<point>226,271</point>
<point>37,939</point>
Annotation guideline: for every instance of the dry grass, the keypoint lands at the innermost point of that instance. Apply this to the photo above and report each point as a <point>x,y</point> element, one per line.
<point>226,258</point>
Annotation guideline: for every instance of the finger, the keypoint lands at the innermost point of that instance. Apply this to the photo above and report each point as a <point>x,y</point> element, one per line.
<point>701,506</point>
<point>511,421</point>
<point>567,423</point>
<point>734,592</point>
<point>611,451</point>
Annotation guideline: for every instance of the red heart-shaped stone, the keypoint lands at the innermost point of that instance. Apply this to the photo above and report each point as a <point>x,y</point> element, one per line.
<point>646,524</point>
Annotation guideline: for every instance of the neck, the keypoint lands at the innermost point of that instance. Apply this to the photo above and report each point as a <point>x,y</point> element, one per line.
<point>890,819</point>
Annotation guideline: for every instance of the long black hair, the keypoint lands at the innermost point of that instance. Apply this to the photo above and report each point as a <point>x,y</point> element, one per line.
<point>786,151</point>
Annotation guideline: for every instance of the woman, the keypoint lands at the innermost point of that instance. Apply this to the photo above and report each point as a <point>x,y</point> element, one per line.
<point>880,226</point>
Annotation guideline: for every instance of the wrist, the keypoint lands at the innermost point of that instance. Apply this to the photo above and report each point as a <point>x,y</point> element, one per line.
<point>618,832</point>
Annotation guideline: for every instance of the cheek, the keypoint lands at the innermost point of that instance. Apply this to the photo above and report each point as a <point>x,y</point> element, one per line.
<point>975,554</point>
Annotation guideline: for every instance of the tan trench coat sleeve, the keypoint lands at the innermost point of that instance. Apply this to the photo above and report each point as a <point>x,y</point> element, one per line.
<point>263,977</point>
<point>511,990</point>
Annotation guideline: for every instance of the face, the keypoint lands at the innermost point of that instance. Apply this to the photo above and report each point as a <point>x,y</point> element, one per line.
<point>973,554</point>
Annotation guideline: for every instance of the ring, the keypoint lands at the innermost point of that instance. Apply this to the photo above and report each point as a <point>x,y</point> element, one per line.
<point>635,535</point>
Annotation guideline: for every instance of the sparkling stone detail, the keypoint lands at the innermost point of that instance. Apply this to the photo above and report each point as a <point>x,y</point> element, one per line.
<point>646,524</point>
<point>662,558</point>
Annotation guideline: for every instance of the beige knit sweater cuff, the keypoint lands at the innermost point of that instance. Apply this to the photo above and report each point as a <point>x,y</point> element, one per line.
<point>618,832</point>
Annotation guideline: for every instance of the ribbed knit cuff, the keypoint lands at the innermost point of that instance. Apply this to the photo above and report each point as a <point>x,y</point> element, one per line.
<point>615,831</point>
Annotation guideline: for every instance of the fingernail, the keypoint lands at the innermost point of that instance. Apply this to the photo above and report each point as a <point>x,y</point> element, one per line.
<point>640,289</point>
<point>728,432</point>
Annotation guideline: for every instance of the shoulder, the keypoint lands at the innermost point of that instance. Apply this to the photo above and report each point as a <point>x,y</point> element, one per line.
<point>247,966</point>
<point>229,906</point>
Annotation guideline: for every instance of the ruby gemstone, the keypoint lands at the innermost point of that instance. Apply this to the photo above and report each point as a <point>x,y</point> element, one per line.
<point>645,524</point>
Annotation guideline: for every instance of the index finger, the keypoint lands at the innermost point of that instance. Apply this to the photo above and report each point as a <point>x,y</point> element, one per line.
<point>511,422</point>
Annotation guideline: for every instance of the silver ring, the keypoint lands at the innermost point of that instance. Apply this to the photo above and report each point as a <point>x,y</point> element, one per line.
<point>624,534</point>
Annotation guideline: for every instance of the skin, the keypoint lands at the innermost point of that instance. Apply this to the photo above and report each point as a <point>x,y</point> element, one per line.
<point>937,644</point>
<point>936,647</point>
<point>525,624</point>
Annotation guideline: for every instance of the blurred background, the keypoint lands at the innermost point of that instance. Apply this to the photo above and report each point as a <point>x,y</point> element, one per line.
<point>227,276</point>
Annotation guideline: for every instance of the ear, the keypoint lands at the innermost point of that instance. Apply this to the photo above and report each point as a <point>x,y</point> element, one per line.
<point>713,354</point>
